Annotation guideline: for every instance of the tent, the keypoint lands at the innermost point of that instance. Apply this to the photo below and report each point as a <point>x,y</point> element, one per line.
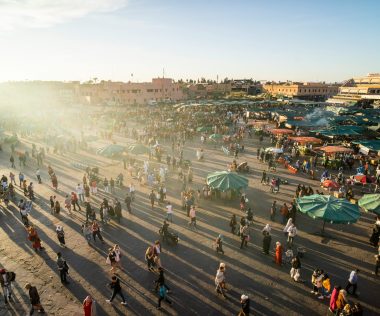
<point>368,145</point>
<point>370,203</point>
<point>281,131</point>
<point>225,181</point>
<point>110,150</point>
<point>329,209</point>
<point>344,130</point>
<point>305,140</point>
<point>334,149</point>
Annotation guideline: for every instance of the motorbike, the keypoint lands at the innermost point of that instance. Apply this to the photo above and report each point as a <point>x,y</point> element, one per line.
<point>171,236</point>
<point>242,167</point>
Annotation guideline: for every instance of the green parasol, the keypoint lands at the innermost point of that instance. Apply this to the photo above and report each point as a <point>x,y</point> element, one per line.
<point>215,136</point>
<point>224,181</point>
<point>329,209</point>
<point>138,149</point>
<point>370,203</point>
<point>110,150</point>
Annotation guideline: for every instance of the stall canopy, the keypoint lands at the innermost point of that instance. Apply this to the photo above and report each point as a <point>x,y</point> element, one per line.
<point>370,203</point>
<point>334,149</point>
<point>225,181</point>
<point>281,131</point>
<point>216,136</point>
<point>345,130</point>
<point>329,209</point>
<point>305,140</point>
<point>368,145</point>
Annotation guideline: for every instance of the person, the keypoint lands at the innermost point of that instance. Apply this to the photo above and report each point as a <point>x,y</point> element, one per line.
<point>341,301</point>
<point>278,254</point>
<point>38,175</point>
<point>116,289</point>
<point>295,271</point>
<point>219,244</point>
<point>63,268</point>
<point>117,209</point>
<point>34,238</point>
<point>111,259</point>
<point>377,264</point>
<point>264,177</point>
<point>60,236</point>
<point>112,185</point>
<point>152,198</point>
<point>34,299</point>
<point>80,192</point>
<point>68,204</point>
<point>161,280</point>
<point>333,299</point>
<point>220,280</point>
<point>57,207</point>
<point>96,231</point>
<point>74,201</point>
<point>352,282</point>
<point>316,281</point>
<point>273,211</point>
<point>169,212</point>
<point>193,218</point>
<point>233,224</point>
<point>149,257</point>
<point>292,232</point>
<point>244,235</point>
<point>89,306</point>
<point>128,201</point>
<point>326,287</point>
<point>87,231</point>
<point>12,160</point>
<point>162,295</point>
<point>245,305</point>
<point>284,212</point>
<point>267,239</point>
<point>23,212</point>
<point>6,279</point>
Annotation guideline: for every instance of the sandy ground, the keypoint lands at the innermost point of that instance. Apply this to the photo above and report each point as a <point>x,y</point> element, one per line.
<point>192,264</point>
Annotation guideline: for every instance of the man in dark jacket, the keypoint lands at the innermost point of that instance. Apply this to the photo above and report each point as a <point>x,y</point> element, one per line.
<point>117,209</point>
<point>161,280</point>
<point>34,299</point>
<point>116,289</point>
<point>63,268</point>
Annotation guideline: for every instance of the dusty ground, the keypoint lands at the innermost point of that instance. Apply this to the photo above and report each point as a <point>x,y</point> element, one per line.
<point>190,266</point>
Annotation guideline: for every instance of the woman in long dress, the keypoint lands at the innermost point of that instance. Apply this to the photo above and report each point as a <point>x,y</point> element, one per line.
<point>278,254</point>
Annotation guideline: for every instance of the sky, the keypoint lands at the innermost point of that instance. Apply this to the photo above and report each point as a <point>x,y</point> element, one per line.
<point>137,40</point>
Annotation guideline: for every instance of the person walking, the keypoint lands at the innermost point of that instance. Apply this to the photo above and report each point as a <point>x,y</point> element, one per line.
<point>63,268</point>
<point>96,231</point>
<point>152,198</point>
<point>377,264</point>
<point>267,239</point>
<point>245,305</point>
<point>161,280</point>
<point>193,218</point>
<point>6,279</point>
<point>74,201</point>
<point>89,306</point>
<point>34,238</point>
<point>111,259</point>
<point>38,175</point>
<point>169,212</point>
<point>292,232</point>
<point>34,299</point>
<point>295,271</point>
<point>21,178</point>
<point>106,185</point>
<point>244,235</point>
<point>220,281</point>
<point>162,296</point>
<point>12,160</point>
<point>233,224</point>
<point>87,231</point>
<point>80,192</point>
<point>352,282</point>
<point>60,236</point>
<point>116,290</point>
<point>128,202</point>
<point>117,209</point>
<point>219,244</point>
<point>273,210</point>
<point>278,254</point>
<point>68,203</point>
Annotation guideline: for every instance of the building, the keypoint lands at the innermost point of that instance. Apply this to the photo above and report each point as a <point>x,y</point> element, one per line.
<point>128,93</point>
<point>364,90</point>
<point>302,90</point>
<point>51,93</point>
<point>207,90</point>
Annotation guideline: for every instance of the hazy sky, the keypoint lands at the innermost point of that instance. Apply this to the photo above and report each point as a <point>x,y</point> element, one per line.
<point>330,40</point>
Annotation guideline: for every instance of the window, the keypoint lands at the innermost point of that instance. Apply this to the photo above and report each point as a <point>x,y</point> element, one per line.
<point>149,90</point>
<point>155,90</point>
